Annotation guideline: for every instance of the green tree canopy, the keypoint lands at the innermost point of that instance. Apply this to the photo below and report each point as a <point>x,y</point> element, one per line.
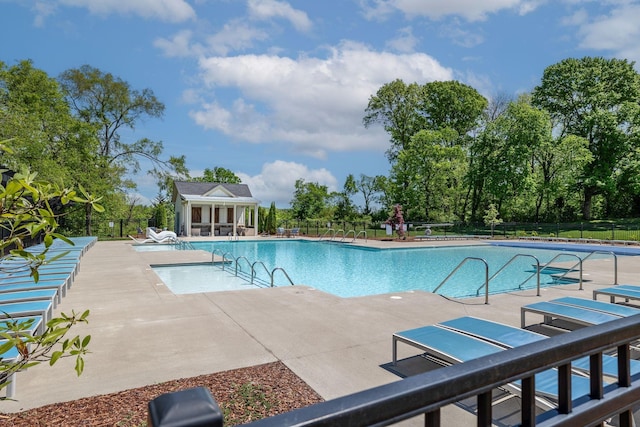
<point>309,200</point>
<point>218,174</point>
<point>596,99</point>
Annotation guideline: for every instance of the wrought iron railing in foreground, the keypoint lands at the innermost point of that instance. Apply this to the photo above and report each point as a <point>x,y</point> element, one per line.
<point>427,393</point>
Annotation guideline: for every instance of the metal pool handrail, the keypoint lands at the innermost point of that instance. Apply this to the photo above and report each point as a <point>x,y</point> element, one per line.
<point>242,258</point>
<point>327,232</point>
<point>285,274</point>
<point>464,261</point>
<point>213,255</point>
<point>513,258</point>
<point>615,262</point>
<point>567,272</point>
<point>359,233</point>
<point>253,270</point>
<point>344,236</point>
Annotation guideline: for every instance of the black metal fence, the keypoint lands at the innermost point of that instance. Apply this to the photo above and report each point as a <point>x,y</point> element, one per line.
<point>426,394</point>
<point>610,231</point>
<point>579,230</point>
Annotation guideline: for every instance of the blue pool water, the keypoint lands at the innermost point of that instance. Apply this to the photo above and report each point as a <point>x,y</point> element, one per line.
<point>350,271</point>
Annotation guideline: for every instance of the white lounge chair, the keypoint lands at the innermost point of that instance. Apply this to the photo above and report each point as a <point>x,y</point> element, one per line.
<point>153,237</point>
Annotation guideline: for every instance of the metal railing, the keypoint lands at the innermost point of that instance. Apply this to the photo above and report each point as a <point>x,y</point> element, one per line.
<point>273,272</point>
<point>252,275</point>
<point>569,270</point>
<point>331,232</point>
<point>537,273</point>
<point>615,262</point>
<point>427,393</point>
<point>344,236</point>
<point>464,261</point>
<point>538,270</point>
<point>359,233</point>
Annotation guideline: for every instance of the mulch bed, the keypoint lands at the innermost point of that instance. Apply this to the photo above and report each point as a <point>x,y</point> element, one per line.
<point>243,395</point>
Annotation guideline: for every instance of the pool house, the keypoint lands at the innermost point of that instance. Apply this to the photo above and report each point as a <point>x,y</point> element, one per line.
<point>214,209</point>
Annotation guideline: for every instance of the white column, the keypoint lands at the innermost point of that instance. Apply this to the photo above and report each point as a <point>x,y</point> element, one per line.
<point>255,220</point>
<point>235,220</point>
<point>187,222</point>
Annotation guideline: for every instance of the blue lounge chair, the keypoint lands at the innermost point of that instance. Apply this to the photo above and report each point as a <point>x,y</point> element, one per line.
<point>626,292</point>
<point>11,355</point>
<point>28,284</point>
<point>605,307</point>
<point>509,337</point>
<point>554,310</point>
<point>49,294</point>
<point>453,347</point>
<point>23,309</point>
<point>36,327</point>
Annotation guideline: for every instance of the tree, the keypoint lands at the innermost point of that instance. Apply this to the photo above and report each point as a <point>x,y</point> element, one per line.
<point>451,105</point>
<point>396,221</point>
<point>368,186</point>
<point>220,175</point>
<point>395,107</point>
<point>110,105</point>
<point>272,219</point>
<point>435,169</point>
<point>45,137</point>
<point>345,209</point>
<point>596,99</point>
<point>309,200</point>
<point>26,208</point>
<point>491,217</point>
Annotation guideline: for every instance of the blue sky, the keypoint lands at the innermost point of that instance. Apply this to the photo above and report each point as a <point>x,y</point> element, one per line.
<point>276,90</point>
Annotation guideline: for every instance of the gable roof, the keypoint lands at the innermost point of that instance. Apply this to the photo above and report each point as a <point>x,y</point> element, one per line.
<point>209,190</point>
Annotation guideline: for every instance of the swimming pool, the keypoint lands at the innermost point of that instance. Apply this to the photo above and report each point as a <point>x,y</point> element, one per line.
<point>350,271</point>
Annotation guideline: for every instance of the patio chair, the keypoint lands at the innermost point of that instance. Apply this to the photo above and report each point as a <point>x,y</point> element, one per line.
<point>60,285</point>
<point>30,308</point>
<point>509,337</point>
<point>153,237</point>
<point>10,356</point>
<point>162,237</point>
<point>295,232</point>
<point>552,311</point>
<point>280,232</point>
<point>605,307</point>
<point>452,347</point>
<point>50,294</point>
<point>626,292</point>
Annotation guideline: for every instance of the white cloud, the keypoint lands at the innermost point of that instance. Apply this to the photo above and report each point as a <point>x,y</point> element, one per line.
<point>234,36</point>
<point>459,35</point>
<point>276,181</point>
<point>471,10</point>
<point>314,104</point>
<point>617,32</point>
<point>178,46</point>
<point>164,10</point>
<point>267,9</point>
<point>42,10</point>
<point>405,42</point>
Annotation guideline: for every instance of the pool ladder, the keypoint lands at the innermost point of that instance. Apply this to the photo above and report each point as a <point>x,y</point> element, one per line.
<point>253,275</point>
<point>333,234</point>
<point>536,274</point>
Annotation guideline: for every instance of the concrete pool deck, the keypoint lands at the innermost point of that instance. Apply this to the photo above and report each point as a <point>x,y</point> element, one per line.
<point>144,334</point>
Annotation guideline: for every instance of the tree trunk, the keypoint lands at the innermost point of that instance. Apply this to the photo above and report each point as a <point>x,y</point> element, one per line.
<point>587,204</point>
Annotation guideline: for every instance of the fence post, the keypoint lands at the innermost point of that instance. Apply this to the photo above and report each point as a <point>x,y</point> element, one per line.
<point>613,231</point>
